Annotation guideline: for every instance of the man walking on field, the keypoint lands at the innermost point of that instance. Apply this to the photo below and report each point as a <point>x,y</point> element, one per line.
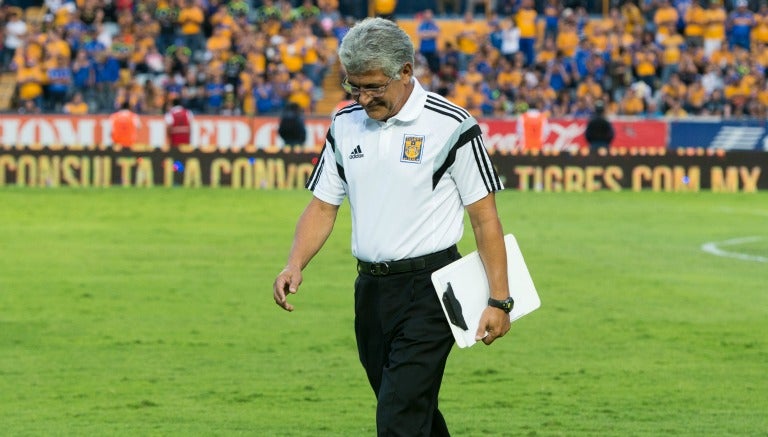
<point>410,162</point>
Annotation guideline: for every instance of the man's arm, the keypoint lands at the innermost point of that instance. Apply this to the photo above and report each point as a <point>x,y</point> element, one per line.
<point>313,228</point>
<point>489,237</point>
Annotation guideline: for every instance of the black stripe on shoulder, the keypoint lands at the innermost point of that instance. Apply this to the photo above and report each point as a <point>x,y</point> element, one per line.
<point>316,172</point>
<point>340,170</point>
<point>440,100</point>
<point>448,105</point>
<point>330,140</point>
<point>314,178</point>
<point>443,112</point>
<point>354,107</point>
<point>484,164</point>
<point>467,136</point>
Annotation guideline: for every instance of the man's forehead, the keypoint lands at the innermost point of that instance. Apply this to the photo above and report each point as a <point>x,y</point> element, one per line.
<point>372,76</point>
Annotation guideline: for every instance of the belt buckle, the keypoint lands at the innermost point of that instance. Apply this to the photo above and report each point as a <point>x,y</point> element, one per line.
<point>379,269</point>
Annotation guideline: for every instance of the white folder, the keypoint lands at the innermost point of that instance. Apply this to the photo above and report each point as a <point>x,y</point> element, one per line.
<point>466,280</point>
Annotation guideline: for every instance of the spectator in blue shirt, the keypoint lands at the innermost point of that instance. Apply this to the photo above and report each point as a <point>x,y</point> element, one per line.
<point>557,73</point>
<point>428,33</point>
<point>264,95</point>
<point>740,23</point>
<point>83,74</point>
<point>214,94</point>
<point>59,83</point>
<point>74,31</point>
<point>106,73</point>
<point>91,44</point>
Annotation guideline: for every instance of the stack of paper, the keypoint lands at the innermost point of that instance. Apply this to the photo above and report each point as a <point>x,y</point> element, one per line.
<point>469,284</point>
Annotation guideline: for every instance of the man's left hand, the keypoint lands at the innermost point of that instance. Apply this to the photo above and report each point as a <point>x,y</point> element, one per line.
<point>494,323</point>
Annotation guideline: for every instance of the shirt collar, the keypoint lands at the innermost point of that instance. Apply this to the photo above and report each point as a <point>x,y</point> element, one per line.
<point>414,105</point>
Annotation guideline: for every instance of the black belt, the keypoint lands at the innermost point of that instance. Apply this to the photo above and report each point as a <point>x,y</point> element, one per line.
<point>384,268</point>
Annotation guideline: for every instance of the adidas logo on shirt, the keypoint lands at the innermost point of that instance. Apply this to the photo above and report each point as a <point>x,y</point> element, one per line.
<point>357,152</point>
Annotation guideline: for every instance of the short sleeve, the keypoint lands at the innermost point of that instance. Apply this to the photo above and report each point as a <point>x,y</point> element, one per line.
<point>472,170</point>
<point>327,179</point>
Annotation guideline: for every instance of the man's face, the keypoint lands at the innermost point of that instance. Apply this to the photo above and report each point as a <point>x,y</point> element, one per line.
<point>381,97</point>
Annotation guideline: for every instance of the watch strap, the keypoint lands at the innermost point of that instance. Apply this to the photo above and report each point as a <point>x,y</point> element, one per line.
<point>505,305</point>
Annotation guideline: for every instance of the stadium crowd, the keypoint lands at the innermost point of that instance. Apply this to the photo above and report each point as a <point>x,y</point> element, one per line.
<point>644,58</point>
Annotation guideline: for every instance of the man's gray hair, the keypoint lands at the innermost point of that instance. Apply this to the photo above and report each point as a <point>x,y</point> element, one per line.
<point>376,44</point>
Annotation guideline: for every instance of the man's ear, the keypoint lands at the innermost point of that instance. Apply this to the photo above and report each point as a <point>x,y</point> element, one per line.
<point>407,72</point>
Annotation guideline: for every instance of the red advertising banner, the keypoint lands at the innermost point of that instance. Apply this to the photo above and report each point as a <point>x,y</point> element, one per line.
<point>84,131</point>
<point>568,135</point>
<point>238,132</point>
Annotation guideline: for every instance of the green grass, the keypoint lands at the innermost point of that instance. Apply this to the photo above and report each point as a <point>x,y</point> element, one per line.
<point>150,312</point>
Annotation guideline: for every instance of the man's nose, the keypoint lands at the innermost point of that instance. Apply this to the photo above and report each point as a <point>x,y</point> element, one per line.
<point>364,99</point>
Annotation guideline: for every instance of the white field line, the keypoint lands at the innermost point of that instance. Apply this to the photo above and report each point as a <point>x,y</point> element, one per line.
<point>715,248</point>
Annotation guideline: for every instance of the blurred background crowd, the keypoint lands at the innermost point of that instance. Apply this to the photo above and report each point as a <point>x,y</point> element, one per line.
<point>498,58</point>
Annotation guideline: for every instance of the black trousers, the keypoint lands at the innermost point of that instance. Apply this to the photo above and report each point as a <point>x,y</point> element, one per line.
<point>404,340</point>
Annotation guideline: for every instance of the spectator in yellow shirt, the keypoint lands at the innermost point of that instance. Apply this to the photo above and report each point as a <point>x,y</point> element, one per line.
<point>245,94</point>
<point>599,39</point>
<point>589,87</point>
<point>761,55</point>
<point>567,39</point>
<point>56,45</point>
<point>526,22</point>
<point>30,79</point>
<point>546,54</point>
<point>672,46</point>
<point>461,92</point>
<point>314,56</point>
<point>223,19</point>
<point>468,40</point>
<point>255,49</point>
<point>473,76</point>
<point>301,89</point>
<point>632,103</point>
<point>219,44</point>
<point>509,79</point>
<point>674,90</point>
<point>676,110</point>
<point>475,100</point>
<point>633,17</point>
<point>665,18</point>
<point>760,31</point>
<point>695,20</point>
<point>76,106</point>
<point>762,96</point>
<point>722,57</point>
<point>714,32</point>
<point>544,93</point>
<point>735,94</point>
<point>191,19</point>
<point>292,51</point>
<point>695,97</point>
<point>646,62</point>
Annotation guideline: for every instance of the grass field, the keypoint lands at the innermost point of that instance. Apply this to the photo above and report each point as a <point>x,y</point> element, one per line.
<point>150,312</point>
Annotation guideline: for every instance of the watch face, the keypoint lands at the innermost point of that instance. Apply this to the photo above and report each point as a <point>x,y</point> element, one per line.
<point>508,304</point>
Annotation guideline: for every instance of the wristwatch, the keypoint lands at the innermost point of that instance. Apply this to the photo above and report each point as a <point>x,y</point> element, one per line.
<point>504,305</point>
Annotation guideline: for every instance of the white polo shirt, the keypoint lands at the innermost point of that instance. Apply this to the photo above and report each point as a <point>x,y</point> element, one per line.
<point>407,179</point>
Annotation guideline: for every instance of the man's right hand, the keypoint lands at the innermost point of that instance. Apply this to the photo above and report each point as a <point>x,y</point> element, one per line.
<point>287,281</point>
